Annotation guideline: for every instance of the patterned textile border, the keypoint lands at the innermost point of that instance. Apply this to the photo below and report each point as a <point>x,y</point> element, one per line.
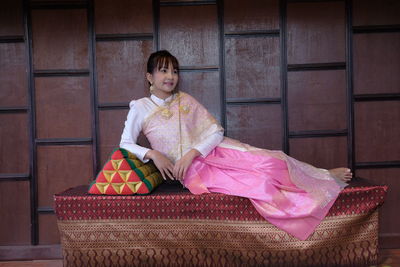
<point>345,240</point>
<point>76,204</point>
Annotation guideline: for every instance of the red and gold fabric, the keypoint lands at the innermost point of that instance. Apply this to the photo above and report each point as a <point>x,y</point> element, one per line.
<point>171,226</point>
<point>125,174</point>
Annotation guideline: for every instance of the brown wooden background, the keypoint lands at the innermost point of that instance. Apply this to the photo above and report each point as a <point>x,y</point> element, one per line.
<point>317,79</point>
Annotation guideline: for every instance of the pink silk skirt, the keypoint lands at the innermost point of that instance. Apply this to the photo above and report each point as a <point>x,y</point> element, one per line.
<point>266,181</point>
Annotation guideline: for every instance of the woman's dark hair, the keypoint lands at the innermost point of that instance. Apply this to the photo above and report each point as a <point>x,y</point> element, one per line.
<point>161,59</point>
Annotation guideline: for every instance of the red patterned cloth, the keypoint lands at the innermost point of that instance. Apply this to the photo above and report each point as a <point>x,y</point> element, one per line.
<point>172,226</point>
<point>77,204</point>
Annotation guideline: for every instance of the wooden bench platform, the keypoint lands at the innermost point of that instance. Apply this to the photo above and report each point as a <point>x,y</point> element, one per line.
<point>173,227</point>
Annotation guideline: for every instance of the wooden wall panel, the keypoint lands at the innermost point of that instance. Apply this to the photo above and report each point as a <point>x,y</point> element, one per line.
<point>315,33</point>
<point>204,86</point>
<point>121,68</point>
<point>389,212</point>
<point>251,15</point>
<point>60,39</point>
<point>183,1</point>
<point>377,131</point>
<point>63,107</point>
<point>14,213</point>
<point>372,12</point>
<point>257,125</point>
<point>62,167</point>
<point>52,1</point>
<point>317,100</point>
<point>11,18</point>
<point>14,157</point>
<point>123,16</point>
<point>190,33</point>
<point>376,67</point>
<point>111,125</point>
<point>13,78</point>
<point>324,152</point>
<point>309,40</point>
<point>48,230</point>
<point>252,67</point>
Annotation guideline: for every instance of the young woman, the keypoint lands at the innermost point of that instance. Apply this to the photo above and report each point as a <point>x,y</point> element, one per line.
<point>187,144</point>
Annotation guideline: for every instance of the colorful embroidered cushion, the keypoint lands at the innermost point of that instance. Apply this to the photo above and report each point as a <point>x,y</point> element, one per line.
<point>125,174</point>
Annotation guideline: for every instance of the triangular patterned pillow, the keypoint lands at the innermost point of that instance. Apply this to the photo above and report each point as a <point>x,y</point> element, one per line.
<point>125,174</point>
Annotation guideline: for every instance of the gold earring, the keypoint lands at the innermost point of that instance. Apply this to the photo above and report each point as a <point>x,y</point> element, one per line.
<point>151,87</point>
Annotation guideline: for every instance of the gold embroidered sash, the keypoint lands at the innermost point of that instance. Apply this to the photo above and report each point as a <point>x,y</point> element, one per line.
<point>178,127</point>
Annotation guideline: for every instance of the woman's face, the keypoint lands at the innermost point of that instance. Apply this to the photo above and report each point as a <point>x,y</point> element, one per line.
<point>164,81</point>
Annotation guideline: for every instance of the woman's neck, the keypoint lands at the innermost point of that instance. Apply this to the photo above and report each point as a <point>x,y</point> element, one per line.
<point>161,94</point>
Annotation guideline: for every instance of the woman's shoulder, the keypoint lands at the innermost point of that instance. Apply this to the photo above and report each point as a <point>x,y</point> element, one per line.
<point>139,103</point>
<point>186,95</point>
<point>191,100</point>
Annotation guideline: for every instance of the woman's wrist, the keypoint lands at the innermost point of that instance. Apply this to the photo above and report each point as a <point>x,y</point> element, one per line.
<point>194,153</point>
<point>149,154</point>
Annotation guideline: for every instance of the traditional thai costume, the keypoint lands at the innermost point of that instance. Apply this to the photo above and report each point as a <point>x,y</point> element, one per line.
<point>290,194</point>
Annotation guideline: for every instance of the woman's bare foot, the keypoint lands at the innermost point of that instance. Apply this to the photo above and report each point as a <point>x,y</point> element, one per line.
<point>343,174</point>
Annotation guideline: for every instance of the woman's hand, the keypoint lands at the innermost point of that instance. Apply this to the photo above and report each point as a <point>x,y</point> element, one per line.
<point>183,164</point>
<point>163,164</point>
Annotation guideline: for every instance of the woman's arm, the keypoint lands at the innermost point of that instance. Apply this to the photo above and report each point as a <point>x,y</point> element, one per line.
<point>209,143</point>
<point>210,138</point>
<point>201,149</point>
<point>133,126</point>
<point>183,164</point>
<point>163,164</point>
